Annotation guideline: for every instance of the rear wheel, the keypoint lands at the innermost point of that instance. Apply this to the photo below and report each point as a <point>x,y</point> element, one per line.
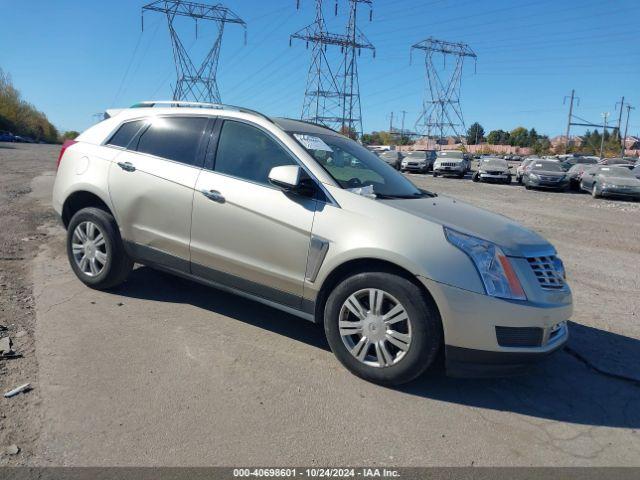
<point>381,327</point>
<point>95,249</point>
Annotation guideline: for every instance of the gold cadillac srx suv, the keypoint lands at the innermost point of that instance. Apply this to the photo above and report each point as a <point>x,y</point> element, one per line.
<point>303,219</point>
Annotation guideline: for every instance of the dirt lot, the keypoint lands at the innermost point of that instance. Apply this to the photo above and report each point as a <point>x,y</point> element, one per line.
<point>166,372</point>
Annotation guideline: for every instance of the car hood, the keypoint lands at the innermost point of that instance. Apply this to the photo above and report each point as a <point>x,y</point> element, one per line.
<point>622,181</point>
<point>514,239</point>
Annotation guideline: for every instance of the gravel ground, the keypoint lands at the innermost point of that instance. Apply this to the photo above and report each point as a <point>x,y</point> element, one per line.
<point>166,372</point>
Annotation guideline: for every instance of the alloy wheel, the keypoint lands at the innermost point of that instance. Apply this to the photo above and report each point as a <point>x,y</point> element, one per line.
<point>89,248</point>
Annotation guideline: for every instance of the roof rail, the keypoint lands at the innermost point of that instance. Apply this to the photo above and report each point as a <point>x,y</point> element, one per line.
<point>182,104</point>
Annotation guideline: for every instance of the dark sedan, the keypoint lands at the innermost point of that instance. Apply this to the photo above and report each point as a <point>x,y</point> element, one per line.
<point>545,174</point>
<point>611,181</point>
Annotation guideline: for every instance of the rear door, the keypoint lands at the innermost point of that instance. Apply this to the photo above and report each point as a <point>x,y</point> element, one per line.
<point>246,233</point>
<point>151,184</point>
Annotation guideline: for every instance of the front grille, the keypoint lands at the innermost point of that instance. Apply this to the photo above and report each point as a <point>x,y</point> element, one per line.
<point>549,179</point>
<point>495,173</point>
<point>449,164</point>
<point>549,271</point>
<point>519,336</point>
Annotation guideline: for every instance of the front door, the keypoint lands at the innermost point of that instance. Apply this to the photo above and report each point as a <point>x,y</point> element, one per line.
<point>246,233</point>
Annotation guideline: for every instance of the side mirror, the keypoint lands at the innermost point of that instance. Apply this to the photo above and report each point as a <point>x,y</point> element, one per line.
<point>291,179</point>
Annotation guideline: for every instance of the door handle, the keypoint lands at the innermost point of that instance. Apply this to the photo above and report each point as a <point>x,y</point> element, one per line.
<point>214,195</point>
<point>127,166</point>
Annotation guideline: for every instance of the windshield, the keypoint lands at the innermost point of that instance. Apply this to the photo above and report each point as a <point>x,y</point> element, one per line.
<point>616,172</point>
<point>494,163</point>
<point>451,154</point>
<point>353,166</point>
<point>417,155</point>
<point>548,166</point>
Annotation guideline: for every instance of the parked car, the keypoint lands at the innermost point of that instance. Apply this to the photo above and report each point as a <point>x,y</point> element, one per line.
<point>545,174</point>
<point>575,174</point>
<point>610,181</point>
<point>392,157</point>
<point>523,166</point>
<point>272,209</point>
<point>451,162</point>
<point>571,161</point>
<point>493,170</point>
<point>7,137</point>
<point>617,161</point>
<point>418,161</point>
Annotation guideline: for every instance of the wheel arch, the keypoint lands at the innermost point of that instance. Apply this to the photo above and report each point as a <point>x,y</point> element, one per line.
<point>80,199</point>
<point>360,265</point>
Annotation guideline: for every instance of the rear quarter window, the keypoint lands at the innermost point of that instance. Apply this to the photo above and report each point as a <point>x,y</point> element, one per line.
<point>126,132</point>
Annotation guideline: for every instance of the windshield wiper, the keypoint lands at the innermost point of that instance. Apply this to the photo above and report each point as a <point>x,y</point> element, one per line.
<point>421,194</point>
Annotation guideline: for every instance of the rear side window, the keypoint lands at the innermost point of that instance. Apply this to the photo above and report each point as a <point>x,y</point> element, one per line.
<point>248,153</point>
<point>174,138</point>
<point>125,134</point>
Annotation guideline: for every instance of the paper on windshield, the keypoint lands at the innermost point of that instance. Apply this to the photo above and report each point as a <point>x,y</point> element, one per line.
<point>364,191</point>
<point>312,143</point>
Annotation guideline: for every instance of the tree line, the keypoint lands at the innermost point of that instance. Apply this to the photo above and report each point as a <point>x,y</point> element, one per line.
<point>518,137</point>
<point>20,117</point>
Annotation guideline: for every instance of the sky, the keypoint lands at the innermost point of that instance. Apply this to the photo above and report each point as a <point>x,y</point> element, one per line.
<point>75,58</point>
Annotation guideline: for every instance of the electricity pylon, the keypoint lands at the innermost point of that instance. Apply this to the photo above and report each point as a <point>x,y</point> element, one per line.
<point>333,99</point>
<point>195,83</point>
<point>441,109</point>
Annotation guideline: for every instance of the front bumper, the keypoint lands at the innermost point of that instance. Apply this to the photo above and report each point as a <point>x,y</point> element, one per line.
<point>488,177</point>
<point>449,170</point>
<point>469,322</point>
<point>548,184</point>
<point>620,192</point>
<point>415,168</point>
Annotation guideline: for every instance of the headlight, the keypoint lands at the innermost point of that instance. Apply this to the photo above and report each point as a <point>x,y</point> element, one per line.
<point>482,171</point>
<point>499,278</point>
<point>533,176</point>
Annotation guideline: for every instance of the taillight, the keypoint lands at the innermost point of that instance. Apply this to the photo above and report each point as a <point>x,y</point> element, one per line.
<point>65,145</point>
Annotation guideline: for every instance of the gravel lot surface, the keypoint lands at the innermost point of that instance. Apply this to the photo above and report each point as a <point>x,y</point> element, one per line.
<point>166,372</point>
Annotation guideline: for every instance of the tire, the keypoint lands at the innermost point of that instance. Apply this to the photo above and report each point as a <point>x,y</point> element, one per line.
<point>117,264</point>
<point>475,177</point>
<point>422,317</point>
<point>435,174</point>
<point>594,191</point>
<point>508,180</point>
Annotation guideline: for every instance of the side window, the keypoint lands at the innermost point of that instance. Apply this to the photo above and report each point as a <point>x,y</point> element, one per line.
<point>248,153</point>
<point>125,134</point>
<point>174,138</point>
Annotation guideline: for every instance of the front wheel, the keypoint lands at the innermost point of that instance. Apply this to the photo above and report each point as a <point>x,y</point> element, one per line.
<point>508,180</point>
<point>95,250</point>
<point>382,327</point>
<point>435,174</point>
<point>594,191</point>
<point>475,177</point>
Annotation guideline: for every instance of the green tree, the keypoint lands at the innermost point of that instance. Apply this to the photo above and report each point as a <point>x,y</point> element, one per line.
<point>519,137</point>
<point>70,135</point>
<point>475,134</point>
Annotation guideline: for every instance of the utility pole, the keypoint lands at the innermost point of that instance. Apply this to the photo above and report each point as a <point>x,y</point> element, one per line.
<point>620,115</point>
<point>606,116</point>
<point>404,114</point>
<point>391,123</point>
<point>626,131</point>
<point>196,83</point>
<point>573,96</point>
